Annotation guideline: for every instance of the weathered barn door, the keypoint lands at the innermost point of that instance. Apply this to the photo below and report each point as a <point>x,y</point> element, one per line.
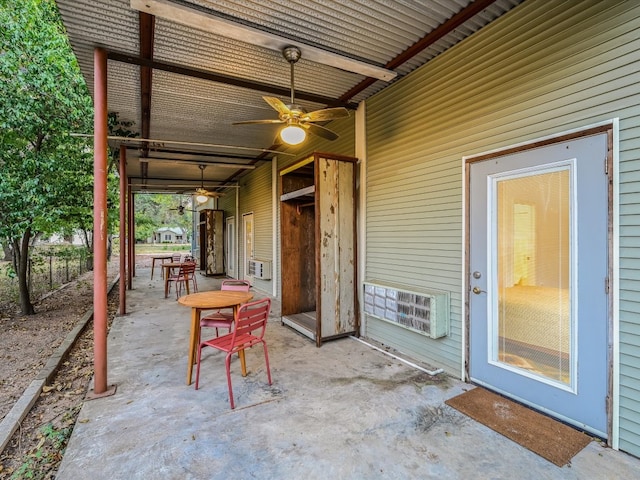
<point>538,278</point>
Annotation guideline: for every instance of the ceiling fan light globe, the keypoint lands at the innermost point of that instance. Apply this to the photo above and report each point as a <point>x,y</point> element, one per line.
<point>201,198</point>
<point>293,135</point>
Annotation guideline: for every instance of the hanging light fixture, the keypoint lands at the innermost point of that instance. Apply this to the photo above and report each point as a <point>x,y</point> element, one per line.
<point>293,134</point>
<point>201,193</point>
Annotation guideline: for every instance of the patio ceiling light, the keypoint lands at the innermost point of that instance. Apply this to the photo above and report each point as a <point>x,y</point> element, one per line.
<point>293,134</point>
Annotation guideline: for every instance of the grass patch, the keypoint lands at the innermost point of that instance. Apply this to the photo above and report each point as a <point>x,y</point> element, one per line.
<point>163,248</point>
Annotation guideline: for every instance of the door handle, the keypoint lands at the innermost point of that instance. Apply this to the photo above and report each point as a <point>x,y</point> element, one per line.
<point>478,291</point>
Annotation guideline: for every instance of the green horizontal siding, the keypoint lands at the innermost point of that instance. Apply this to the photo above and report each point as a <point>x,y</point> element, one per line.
<point>255,197</point>
<point>543,68</point>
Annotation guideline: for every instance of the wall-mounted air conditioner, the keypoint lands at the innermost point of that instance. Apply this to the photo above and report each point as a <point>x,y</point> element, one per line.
<point>260,269</point>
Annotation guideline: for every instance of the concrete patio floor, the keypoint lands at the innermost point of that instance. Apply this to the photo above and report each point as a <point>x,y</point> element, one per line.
<point>342,411</point>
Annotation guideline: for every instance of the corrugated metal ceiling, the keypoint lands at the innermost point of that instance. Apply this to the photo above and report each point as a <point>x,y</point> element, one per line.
<point>189,109</point>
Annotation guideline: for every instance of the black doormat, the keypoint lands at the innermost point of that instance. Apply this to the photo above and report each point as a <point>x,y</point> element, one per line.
<point>544,436</point>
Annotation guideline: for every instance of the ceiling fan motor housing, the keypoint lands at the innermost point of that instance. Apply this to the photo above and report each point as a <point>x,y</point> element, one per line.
<point>291,54</point>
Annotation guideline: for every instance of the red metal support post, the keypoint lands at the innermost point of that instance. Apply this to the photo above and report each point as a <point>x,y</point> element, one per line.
<point>100,224</point>
<point>123,230</point>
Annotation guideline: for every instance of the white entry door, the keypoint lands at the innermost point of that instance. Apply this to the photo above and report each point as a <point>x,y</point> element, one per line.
<point>538,279</point>
<point>247,251</point>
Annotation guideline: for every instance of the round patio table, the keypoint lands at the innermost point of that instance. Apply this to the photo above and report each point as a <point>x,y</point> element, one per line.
<point>213,299</point>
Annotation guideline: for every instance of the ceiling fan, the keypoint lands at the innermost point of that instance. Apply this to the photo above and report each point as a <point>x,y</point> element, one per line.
<point>182,208</point>
<point>296,118</point>
<point>201,193</point>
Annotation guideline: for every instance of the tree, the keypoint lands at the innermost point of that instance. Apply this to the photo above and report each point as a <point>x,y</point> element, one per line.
<point>46,177</point>
<point>156,210</point>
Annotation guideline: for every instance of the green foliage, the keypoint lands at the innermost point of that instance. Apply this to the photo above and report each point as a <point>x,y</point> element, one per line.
<point>43,97</point>
<point>46,180</point>
<point>50,449</point>
<point>158,210</point>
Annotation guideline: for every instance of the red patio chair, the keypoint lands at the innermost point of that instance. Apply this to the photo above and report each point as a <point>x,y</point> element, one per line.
<point>252,318</point>
<point>186,273</point>
<point>220,319</point>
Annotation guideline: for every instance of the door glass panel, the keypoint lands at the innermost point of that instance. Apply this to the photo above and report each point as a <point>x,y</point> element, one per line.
<point>533,246</point>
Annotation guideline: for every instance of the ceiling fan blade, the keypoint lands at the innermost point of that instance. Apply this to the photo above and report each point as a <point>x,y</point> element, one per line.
<point>326,114</point>
<point>320,131</point>
<point>277,104</point>
<point>258,122</point>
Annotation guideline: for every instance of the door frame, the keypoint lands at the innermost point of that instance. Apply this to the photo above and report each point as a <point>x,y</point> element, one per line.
<point>231,246</point>
<point>611,128</point>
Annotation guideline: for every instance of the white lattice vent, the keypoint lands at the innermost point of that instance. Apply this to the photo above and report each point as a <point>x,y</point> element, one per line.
<point>425,312</point>
<point>260,269</point>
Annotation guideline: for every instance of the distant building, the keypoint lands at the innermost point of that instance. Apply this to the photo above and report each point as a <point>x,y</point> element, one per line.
<point>170,235</point>
<point>57,238</point>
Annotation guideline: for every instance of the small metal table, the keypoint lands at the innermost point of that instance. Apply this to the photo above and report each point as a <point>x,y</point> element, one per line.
<point>214,299</point>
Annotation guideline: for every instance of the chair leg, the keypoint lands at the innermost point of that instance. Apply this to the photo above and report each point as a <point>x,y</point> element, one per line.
<point>266,361</point>
<point>227,362</point>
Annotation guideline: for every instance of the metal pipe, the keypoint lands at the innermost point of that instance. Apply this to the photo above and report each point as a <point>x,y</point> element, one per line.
<point>100,222</point>
<point>130,238</point>
<point>411,364</point>
<point>133,140</point>
<point>123,231</point>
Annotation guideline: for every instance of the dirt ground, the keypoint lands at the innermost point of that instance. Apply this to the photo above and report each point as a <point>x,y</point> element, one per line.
<point>26,343</point>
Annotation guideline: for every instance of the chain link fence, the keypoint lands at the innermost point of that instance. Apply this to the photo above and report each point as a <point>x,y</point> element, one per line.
<point>48,269</point>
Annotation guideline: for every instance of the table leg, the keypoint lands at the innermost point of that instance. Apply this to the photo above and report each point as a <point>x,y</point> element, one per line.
<point>195,320</point>
<point>166,284</point>
<point>153,264</point>
<point>243,363</point>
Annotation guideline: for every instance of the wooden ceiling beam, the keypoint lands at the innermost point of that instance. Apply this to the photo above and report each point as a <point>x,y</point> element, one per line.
<point>146,29</point>
<point>226,79</point>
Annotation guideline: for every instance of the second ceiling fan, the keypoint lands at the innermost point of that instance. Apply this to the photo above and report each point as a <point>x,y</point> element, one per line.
<point>296,118</point>
<point>201,193</point>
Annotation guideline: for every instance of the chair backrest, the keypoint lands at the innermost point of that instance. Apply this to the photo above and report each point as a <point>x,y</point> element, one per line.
<point>252,316</point>
<point>176,257</point>
<point>187,269</point>
<point>235,285</point>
